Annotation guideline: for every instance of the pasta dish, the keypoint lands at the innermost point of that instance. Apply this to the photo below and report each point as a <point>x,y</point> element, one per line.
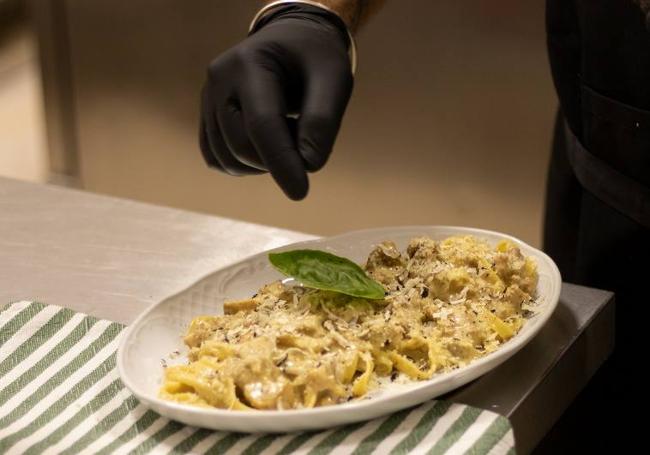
<point>446,304</point>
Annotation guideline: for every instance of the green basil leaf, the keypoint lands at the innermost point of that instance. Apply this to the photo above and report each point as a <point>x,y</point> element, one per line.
<point>328,272</point>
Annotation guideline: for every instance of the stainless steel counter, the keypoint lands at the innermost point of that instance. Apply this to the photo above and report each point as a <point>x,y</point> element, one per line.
<point>112,258</point>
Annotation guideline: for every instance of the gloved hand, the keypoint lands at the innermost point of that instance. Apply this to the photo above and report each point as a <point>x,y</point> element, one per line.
<point>294,62</point>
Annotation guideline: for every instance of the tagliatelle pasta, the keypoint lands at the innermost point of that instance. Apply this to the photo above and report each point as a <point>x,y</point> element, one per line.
<point>447,303</point>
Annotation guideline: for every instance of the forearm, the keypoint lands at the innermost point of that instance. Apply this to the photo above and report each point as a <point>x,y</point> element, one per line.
<point>353,12</point>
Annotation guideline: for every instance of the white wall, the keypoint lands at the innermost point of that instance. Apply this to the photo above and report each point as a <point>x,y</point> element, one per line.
<point>450,121</point>
<point>23,153</point>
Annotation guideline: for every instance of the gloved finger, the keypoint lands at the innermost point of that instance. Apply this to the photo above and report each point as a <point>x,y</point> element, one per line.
<point>220,150</point>
<point>264,109</point>
<point>234,132</point>
<point>208,156</point>
<point>326,97</point>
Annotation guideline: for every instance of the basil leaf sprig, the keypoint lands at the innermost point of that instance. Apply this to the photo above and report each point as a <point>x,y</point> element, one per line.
<point>328,272</point>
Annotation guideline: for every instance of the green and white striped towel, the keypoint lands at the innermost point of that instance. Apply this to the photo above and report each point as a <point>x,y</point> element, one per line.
<point>60,393</point>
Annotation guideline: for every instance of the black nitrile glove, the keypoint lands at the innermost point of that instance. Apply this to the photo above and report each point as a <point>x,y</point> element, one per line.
<point>295,62</point>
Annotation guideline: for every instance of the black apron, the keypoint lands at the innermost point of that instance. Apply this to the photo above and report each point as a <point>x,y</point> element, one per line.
<point>597,224</point>
<point>597,221</point>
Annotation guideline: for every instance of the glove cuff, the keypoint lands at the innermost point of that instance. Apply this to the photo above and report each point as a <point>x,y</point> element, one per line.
<point>308,10</point>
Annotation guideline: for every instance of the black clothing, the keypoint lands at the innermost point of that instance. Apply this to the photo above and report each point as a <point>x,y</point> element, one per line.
<point>597,227</point>
<point>597,224</point>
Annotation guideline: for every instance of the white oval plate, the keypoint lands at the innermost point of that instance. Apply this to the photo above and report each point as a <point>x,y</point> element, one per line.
<point>158,332</point>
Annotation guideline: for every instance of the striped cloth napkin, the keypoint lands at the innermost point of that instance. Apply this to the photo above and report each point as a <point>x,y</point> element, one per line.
<point>60,393</point>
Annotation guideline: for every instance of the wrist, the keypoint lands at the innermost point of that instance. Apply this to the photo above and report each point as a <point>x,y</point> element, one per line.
<point>310,10</point>
<point>344,9</point>
<point>275,11</point>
